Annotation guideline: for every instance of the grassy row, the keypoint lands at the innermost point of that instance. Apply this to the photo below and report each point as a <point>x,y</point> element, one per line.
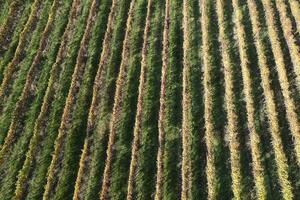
<point>7,53</point>
<point>10,14</point>
<point>15,72</point>
<point>138,117</point>
<point>210,135</point>
<point>5,120</point>
<point>79,190</point>
<point>102,103</point>
<point>146,167</point>
<point>73,123</point>
<point>168,172</point>
<point>4,10</point>
<point>280,158</point>
<point>20,53</point>
<point>295,8</point>
<point>230,101</point>
<point>292,116</point>
<point>14,146</point>
<point>258,168</point>
<point>122,122</point>
<point>194,156</point>
<point>290,38</point>
<point>41,143</point>
<point>67,63</point>
<point>162,101</point>
<point>20,108</point>
<point>36,84</point>
<point>217,171</point>
<point>55,168</point>
<point>116,108</point>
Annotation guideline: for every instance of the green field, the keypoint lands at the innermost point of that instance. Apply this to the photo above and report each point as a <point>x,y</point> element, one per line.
<point>149,99</point>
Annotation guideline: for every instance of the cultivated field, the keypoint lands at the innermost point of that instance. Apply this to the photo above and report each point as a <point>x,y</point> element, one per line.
<point>149,99</point>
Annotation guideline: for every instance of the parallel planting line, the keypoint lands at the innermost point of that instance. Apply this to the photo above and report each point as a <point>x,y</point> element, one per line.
<point>138,118</point>
<point>145,178</point>
<point>14,156</point>
<point>117,106</point>
<point>210,135</point>
<point>99,133</point>
<point>70,101</point>
<point>185,107</point>
<point>95,101</point>
<point>23,121</point>
<point>7,51</point>
<point>280,158</point>
<point>161,131</point>
<point>27,90</point>
<point>290,38</point>
<point>34,89</point>
<point>7,28</point>
<point>172,121</point>
<point>295,8</point>
<point>292,116</point>
<point>258,170</point>
<point>16,70</point>
<point>16,84</point>
<point>74,138</point>
<point>193,146</point>
<point>23,174</point>
<point>232,126</point>
<point>39,132</point>
<point>12,68</point>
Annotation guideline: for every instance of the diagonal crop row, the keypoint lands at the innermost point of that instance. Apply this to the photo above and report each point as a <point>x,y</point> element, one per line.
<point>290,106</point>
<point>144,179</point>
<point>161,131</point>
<point>23,116</point>
<point>10,22</point>
<point>232,126</point>
<point>280,158</point>
<point>116,108</point>
<point>82,172</point>
<point>193,154</point>
<point>258,170</point>
<point>8,51</point>
<point>295,8</point>
<point>289,36</point>
<point>122,121</point>
<point>73,122</point>
<point>36,84</point>
<point>138,118</point>
<point>30,78</point>
<point>19,55</point>
<point>16,70</point>
<point>169,121</point>
<point>102,103</point>
<point>56,167</point>
<point>210,134</point>
<point>40,143</point>
<point>11,160</point>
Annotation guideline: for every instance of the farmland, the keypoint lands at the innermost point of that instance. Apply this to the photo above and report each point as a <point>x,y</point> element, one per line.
<point>149,99</point>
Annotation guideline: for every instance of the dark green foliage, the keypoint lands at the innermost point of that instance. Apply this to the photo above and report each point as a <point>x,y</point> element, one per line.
<point>99,135</point>
<point>172,122</point>
<point>76,133</point>
<point>146,169</point>
<point>125,122</point>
